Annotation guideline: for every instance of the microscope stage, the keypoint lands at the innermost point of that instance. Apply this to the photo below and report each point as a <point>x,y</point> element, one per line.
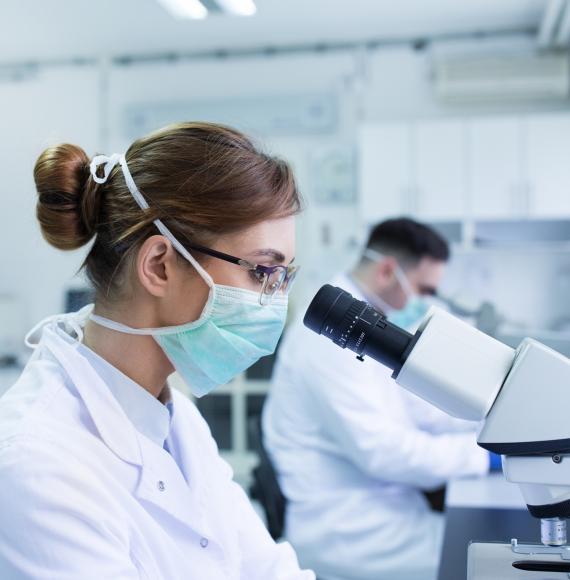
<point>493,561</point>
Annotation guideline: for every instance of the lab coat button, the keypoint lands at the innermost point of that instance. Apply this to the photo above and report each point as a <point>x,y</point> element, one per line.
<point>204,542</point>
<point>161,485</point>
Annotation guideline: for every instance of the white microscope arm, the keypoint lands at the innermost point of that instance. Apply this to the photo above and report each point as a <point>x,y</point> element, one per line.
<point>522,396</point>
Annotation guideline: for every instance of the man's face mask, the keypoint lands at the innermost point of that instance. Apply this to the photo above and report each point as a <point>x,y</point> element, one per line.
<point>416,307</point>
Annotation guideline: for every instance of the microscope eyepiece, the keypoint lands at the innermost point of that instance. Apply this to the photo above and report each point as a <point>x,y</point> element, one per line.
<point>353,324</point>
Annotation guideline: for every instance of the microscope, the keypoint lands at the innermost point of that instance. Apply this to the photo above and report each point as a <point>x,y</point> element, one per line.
<point>521,397</point>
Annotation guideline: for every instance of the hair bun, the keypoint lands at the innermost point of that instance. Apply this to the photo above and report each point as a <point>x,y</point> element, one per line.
<point>61,174</point>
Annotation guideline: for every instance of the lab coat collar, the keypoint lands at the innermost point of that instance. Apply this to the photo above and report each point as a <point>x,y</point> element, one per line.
<point>149,415</point>
<point>346,282</point>
<point>115,429</point>
<point>177,489</point>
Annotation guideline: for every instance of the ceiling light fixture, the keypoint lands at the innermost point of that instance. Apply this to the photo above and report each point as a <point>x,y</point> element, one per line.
<point>183,9</point>
<point>238,7</point>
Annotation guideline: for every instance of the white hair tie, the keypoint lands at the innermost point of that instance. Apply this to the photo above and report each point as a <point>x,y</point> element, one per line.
<point>108,163</point>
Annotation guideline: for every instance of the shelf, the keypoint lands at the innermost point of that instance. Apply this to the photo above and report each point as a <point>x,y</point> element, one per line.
<point>452,231</point>
<point>503,233</point>
<point>521,232</point>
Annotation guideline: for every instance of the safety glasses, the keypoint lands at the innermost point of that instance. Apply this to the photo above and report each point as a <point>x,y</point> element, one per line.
<point>274,279</point>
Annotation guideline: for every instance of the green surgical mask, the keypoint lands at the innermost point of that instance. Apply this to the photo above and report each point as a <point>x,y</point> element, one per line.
<point>233,332</point>
<point>416,307</point>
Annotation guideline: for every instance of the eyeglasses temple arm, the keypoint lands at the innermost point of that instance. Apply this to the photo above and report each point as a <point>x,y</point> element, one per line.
<point>217,254</point>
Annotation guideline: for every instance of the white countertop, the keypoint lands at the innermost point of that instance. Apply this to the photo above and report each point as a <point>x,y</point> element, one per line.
<point>490,491</point>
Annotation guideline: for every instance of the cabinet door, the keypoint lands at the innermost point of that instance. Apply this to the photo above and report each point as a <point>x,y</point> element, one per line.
<point>548,164</point>
<point>440,169</point>
<point>384,153</point>
<point>494,167</point>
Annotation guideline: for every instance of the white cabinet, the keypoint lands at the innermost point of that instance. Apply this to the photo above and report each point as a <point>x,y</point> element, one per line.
<point>456,169</point>
<point>385,171</point>
<point>548,164</point>
<point>412,169</point>
<point>440,169</point>
<point>494,165</point>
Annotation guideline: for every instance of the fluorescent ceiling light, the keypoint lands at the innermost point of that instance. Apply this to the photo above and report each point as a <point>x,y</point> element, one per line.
<point>239,7</point>
<point>185,8</point>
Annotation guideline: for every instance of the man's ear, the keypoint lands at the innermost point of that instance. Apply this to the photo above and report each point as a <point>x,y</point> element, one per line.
<point>386,268</point>
<point>155,261</point>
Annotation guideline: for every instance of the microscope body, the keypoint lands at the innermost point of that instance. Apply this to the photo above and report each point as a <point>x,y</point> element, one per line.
<point>528,424</point>
<point>522,398</point>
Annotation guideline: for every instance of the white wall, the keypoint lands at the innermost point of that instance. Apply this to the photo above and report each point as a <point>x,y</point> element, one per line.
<point>64,104</point>
<point>55,106</point>
<point>529,285</point>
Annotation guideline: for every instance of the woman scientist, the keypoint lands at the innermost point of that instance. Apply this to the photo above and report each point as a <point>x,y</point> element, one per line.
<point>105,473</point>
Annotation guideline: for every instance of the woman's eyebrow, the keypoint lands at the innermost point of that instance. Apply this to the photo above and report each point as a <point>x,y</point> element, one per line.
<point>278,256</point>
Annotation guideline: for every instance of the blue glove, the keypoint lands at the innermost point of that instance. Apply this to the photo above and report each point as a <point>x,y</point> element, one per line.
<point>495,463</point>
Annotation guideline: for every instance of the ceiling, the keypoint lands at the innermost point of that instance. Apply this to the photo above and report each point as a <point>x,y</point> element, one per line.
<point>63,29</point>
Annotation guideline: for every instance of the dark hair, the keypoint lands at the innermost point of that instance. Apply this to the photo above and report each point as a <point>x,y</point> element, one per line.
<point>203,180</point>
<point>408,240</point>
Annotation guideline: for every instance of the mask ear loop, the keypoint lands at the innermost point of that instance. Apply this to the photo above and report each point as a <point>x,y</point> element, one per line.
<point>398,272</point>
<point>109,163</point>
<point>373,255</point>
<point>404,282</point>
<point>142,203</point>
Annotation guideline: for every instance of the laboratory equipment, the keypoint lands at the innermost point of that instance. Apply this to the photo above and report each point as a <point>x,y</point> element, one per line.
<point>522,396</point>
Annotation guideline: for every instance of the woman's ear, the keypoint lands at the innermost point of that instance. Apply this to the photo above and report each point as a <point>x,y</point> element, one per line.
<point>155,263</point>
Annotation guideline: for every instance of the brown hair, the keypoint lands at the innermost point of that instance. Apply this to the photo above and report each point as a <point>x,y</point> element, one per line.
<point>203,180</point>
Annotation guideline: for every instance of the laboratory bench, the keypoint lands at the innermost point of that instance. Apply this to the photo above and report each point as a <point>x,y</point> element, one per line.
<point>487,509</point>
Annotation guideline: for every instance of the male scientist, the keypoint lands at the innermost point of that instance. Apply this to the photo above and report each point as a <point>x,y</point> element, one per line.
<point>354,451</point>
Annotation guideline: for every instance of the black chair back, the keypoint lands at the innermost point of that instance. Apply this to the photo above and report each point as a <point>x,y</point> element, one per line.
<point>265,487</point>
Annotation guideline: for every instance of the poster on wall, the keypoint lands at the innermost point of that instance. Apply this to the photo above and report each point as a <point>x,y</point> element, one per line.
<point>269,115</point>
<point>334,178</point>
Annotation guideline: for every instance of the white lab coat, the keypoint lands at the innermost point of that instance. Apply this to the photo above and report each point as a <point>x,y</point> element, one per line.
<point>353,451</point>
<point>83,494</point>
